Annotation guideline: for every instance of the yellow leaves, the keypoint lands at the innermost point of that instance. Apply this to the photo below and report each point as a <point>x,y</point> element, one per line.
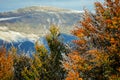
<point>112,40</point>
<point>40,48</point>
<point>80,35</point>
<point>79,32</point>
<point>88,19</point>
<point>6,65</point>
<point>66,65</point>
<point>68,78</point>
<point>98,57</point>
<point>115,18</point>
<point>108,21</point>
<point>118,69</point>
<point>81,42</point>
<point>38,62</point>
<point>115,77</point>
<point>80,79</point>
<point>89,67</point>
<point>94,53</point>
<point>73,66</point>
<point>103,31</point>
<point>114,22</point>
<point>88,27</point>
<point>111,27</point>
<point>75,57</point>
<point>73,76</point>
<point>84,23</point>
<point>97,4</point>
<point>99,7</point>
<point>54,30</point>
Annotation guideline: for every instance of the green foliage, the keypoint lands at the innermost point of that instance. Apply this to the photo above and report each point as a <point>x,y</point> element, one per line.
<point>96,55</point>
<point>43,65</point>
<point>20,61</point>
<point>57,48</point>
<point>46,64</point>
<point>39,65</point>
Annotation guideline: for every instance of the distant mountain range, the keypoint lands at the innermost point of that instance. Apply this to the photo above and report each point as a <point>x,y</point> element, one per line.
<point>28,46</point>
<point>26,25</point>
<point>34,19</point>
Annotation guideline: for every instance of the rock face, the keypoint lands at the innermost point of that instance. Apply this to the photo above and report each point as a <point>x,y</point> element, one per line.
<point>35,19</point>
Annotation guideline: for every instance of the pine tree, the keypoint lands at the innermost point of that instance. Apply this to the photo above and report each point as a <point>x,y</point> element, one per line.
<point>46,65</point>
<point>57,48</point>
<point>39,65</point>
<point>20,62</point>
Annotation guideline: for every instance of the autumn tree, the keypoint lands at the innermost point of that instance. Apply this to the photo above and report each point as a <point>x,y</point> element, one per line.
<point>6,65</point>
<point>97,54</point>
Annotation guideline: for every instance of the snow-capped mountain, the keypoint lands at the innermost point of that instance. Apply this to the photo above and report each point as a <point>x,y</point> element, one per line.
<point>14,36</point>
<point>23,27</point>
<point>34,19</point>
<point>25,42</point>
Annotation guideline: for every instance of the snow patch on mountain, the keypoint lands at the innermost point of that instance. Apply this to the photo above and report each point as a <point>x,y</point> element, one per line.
<point>9,18</point>
<point>14,36</point>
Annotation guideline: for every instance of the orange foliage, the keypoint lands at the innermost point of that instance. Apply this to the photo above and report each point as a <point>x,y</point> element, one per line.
<point>6,65</point>
<point>73,76</point>
<point>97,55</point>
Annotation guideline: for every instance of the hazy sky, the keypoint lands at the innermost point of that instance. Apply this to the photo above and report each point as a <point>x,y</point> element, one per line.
<point>7,5</point>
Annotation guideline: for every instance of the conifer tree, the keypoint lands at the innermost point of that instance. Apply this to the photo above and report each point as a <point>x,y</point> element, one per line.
<point>38,67</point>
<point>46,65</point>
<point>20,61</point>
<point>57,48</point>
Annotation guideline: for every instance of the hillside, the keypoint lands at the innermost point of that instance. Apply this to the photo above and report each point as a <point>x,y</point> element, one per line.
<point>36,19</point>
<point>23,27</point>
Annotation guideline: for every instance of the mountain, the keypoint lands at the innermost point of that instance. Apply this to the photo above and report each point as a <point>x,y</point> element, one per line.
<point>28,46</point>
<point>34,19</point>
<point>23,27</point>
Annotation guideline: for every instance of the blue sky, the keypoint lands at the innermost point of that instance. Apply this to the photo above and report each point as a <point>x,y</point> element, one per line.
<point>7,5</point>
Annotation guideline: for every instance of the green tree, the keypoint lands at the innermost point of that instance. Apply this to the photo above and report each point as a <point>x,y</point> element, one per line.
<point>57,48</point>
<point>38,68</point>
<point>46,65</point>
<point>20,61</point>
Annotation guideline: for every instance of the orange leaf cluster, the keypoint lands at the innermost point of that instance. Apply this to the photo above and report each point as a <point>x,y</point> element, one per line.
<point>97,55</point>
<point>6,65</point>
